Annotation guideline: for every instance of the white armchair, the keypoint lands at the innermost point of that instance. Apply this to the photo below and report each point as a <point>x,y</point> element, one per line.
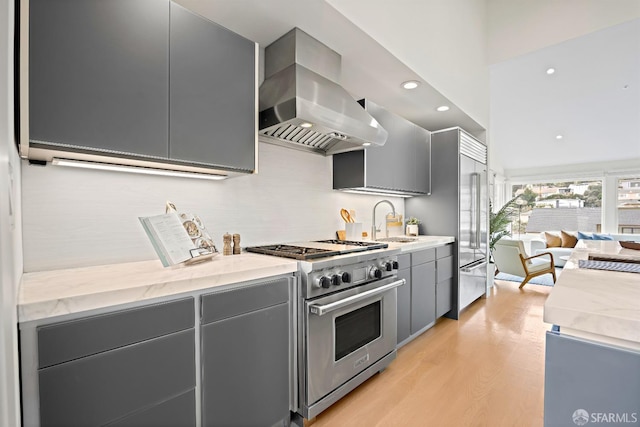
<point>510,257</point>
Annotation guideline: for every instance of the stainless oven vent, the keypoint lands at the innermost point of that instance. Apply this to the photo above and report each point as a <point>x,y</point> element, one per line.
<point>302,104</point>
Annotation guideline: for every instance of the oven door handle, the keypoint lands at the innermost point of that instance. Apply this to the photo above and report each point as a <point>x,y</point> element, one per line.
<point>321,309</point>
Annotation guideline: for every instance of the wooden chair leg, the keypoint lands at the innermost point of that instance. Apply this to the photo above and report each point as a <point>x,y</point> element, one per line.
<point>526,279</point>
<point>553,273</point>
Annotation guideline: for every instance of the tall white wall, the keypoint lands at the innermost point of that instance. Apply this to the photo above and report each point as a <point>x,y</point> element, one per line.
<point>10,227</point>
<point>519,27</point>
<point>74,217</point>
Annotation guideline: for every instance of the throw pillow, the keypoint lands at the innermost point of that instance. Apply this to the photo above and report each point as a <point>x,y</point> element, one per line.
<point>568,240</point>
<point>602,236</point>
<point>584,236</point>
<point>553,241</point>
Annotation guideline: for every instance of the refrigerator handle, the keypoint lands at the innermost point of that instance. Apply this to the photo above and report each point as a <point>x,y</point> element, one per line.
<point>478,209</point>
<point>475,211</point>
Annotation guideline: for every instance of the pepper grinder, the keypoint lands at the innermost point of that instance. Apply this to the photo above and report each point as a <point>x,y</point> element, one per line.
<point>236,244</point>
<point>226,239</point>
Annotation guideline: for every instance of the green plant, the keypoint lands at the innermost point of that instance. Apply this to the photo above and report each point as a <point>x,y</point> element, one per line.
<point>499,221</point>
<point>413,221</point>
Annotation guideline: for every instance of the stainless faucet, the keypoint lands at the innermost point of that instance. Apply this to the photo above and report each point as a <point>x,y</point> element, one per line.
<point>373,223</point>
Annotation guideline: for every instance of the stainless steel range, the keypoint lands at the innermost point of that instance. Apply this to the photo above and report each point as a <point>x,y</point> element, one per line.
<point>346,316</point>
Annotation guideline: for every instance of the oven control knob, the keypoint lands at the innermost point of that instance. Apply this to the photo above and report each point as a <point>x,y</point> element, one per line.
<point>336,280</point>
<point>322,282</point>
<point>395,265</point>
<point>388,266</point>
<point>345,277</point>
<point>375,273</point>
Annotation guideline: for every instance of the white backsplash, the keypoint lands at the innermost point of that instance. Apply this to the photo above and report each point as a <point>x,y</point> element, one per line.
<point>77,217</point>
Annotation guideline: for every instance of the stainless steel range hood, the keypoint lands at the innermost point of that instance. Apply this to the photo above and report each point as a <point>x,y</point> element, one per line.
<point>303,106</point>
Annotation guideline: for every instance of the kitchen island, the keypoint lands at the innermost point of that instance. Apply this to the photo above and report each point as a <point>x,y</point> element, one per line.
<point>599,305</point>
<point>592,359</point>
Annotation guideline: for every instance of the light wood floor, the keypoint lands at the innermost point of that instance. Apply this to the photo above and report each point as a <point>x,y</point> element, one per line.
<point>486,369</point>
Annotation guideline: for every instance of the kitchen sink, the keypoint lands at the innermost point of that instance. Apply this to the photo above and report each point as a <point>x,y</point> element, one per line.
<point>399,239</point>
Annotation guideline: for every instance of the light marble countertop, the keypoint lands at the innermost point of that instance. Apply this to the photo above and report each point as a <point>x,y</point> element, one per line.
<point>596,304</point>
<point>61,292</point>
<point>422,242</point>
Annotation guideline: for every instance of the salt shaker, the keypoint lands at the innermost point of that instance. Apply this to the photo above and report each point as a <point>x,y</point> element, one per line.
<point>236,244</point>
<point>226,240</point>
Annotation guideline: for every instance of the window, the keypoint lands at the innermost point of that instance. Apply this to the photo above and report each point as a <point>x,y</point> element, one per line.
<point>553,206</point>
<point>629,205</point>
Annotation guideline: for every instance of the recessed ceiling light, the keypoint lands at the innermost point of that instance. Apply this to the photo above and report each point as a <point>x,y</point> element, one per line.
<point>366,144</point>
<point>558,136</point>
<point>411,84</point>
<point>551,71</point>
<point>306,125</point>
<point>443,108</point>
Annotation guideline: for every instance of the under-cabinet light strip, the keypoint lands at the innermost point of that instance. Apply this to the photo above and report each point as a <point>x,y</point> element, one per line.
<point>133,169</point>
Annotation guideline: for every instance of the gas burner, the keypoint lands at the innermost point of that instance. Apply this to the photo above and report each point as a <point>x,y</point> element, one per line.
<point>291,251</point>
<point>369,245</point>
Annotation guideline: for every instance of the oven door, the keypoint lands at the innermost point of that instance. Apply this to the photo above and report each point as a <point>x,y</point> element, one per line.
<point>346,332</point>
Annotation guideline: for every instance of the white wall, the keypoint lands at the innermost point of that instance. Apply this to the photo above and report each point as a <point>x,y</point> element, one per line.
<point>75,217</point>
<point>10,227</point>
<point>519,27</point>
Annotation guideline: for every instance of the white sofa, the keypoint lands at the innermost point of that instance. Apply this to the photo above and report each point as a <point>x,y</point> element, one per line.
<point>540,245</point>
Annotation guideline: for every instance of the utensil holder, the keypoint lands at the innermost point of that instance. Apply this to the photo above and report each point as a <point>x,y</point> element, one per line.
<point>353,230</point>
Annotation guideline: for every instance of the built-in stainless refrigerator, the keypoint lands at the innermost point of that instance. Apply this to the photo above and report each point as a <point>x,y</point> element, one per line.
<point>458,206</point>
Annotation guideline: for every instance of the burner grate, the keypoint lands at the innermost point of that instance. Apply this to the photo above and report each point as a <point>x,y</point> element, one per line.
<point>370,245</point>
<point>291,251</point>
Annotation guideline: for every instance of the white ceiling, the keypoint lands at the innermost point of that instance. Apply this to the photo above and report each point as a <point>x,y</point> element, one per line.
<point>383,43</point>
<point>592,100</point>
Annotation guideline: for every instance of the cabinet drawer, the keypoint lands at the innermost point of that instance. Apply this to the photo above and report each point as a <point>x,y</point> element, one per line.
<point>444,268</point>
<point>444,251</point>
<point>105,387</point>
<point>220,305</point>
<point>62,342</point>
<point>404,261</point>
<point>179,411</point>
<point>421,257</point>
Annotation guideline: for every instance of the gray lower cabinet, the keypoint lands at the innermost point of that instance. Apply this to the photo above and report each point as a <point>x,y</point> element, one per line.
<point>587,382</point>
<point>428,292</point>
<point>212,85</point>
<point>444,279</point>
<point>423,289</point>
<point>124,368</point>
<point>245,356</point>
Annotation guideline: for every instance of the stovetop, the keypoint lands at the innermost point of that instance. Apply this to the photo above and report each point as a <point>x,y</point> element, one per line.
<point>306,251</point>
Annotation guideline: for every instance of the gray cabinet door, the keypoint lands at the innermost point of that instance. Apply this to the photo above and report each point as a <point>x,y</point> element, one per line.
<point>379,174</point>
<point>177,412</point>
<point>423,295</point>
<point>422,160</point>
<point>404,305</point>
<point>212,92</point>
<point>108,386</point>
<point>245,362</point>
<point>590,382</point>
<point>98,75</point>
<point>444,297</point>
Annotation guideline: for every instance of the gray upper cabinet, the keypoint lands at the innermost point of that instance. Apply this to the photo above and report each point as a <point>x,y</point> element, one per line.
<point>212,92</point>
<point>401,166</point>
<point>138,82</point>
<point>98,73</point>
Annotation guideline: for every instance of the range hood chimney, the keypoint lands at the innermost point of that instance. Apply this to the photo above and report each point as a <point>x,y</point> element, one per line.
<point>303,106</point>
